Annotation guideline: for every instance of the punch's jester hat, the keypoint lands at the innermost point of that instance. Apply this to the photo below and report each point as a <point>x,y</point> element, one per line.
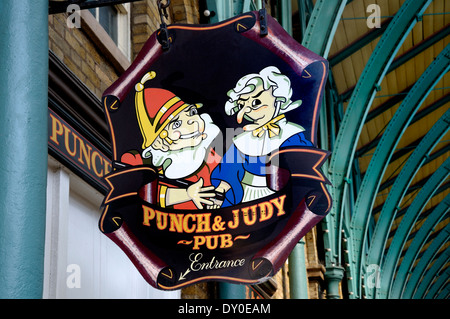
<point>155,108</point>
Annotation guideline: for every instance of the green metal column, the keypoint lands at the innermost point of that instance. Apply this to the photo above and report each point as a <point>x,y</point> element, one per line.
<point>333,276</point>
<point>231,291</point>
<point>298,283</point>
<point>23,146</point>
<point>285,15</point>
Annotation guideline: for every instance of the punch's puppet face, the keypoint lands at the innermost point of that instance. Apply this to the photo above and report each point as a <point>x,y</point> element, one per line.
<point>183,131</point>
<point>258,106</point>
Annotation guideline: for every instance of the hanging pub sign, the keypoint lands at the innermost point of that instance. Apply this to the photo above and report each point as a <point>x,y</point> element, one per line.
<point>216,170</point>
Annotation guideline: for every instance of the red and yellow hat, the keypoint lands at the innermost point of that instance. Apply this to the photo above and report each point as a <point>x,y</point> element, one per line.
<point>155,108</point>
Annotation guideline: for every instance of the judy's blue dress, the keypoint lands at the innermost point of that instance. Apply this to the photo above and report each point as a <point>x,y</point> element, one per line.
<point>236,165</point>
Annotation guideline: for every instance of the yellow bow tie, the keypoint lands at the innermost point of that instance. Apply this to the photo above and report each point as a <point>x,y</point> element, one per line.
<point>271,127</point>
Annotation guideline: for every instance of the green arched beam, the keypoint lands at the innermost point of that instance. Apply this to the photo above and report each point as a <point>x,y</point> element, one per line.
<point>427,281</point>
<point>408,220</point>
<point>388,142</point>
<point>361,100</point>
<point>444,293</point>
<point>418,242</point>
<point>322,26</point>
<point>438,286</point>
<point>427,258</point>
<point>400,186</point>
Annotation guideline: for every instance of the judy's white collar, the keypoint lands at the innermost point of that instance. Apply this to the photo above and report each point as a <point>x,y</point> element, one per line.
<point>251,145</point>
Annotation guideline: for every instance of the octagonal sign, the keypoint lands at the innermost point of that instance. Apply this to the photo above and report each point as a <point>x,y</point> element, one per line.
<point>216,170</point>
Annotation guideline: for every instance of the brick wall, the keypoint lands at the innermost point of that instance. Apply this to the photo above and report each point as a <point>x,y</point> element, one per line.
<point>89,58</point>
<point>314,266</point>
<point>144,20</point>
<point>185,11</point>
<point>79,54</point>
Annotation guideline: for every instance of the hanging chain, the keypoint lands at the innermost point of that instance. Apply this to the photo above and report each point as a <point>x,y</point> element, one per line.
<point>163,9</point>
<point>163,32</point>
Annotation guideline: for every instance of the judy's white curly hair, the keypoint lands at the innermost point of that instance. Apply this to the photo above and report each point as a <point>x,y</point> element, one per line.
<point>268,77</point>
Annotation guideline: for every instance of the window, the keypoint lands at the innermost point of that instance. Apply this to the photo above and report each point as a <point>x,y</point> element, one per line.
<point>107,17</point>
<point>116,22</point>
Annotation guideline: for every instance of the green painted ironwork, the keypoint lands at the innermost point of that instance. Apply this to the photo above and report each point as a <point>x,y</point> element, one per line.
<point>438,214</point>
<point>439,284</point>
<point>322,25</point>
<point>231,291</point>
<point>420,270</point>
<point>361,99</point>
<point>23,146</point>
<point>385,106</point>
<point>444,293</point>
<point>427,280</point>
<point>364,93</point>
<point>408,221</point>
<point>422,46</point>
<point>285,16</point>
<point>389,140</point>
<point>333,276</point>
<point>359,44</point>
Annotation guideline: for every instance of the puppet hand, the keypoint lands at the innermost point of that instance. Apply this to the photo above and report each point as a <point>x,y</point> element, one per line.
<point>216,203</point>
<point>222,188</point>
<point>199,194</point>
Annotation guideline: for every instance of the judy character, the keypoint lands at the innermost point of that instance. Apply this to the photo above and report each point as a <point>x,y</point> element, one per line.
<point>262,99</point>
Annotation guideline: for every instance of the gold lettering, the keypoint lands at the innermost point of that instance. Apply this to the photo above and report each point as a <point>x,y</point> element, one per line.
<point>161,220</point>
<point>57,129</point>
<point>235,222</point>
<point>246,214</point>
<point>95,155</point>
<point>87,155</point>
<point>279,203</point>
<point>176,222</point>
<point>203,223</point>
<point>107,167</point>
<point>67,142</point>
<point>186,228</point>
<point>226,241</point>
<point>149,214</point>
<point>210,245</point>
<point>265,211</point>
<point>198,241</point>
